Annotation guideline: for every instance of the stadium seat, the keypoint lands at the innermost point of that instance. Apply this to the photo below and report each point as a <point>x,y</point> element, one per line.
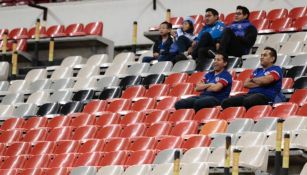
<point>84,84</point>
<point>153,79</point>
<point>132,118</point>
<point>240,125</point>
<point>107,81</point>
<point>196,154</point>
<point>118,105</point>
<point>217,157</point>
<point>144,104</point>
<point>198,27</point>
<point>219,140</point>
<point>10,136</point>
<point>92,145</point>
<point>37,161</point>
<point>108,131</point>
<point>183,66</point>
<point>37,171</point>
<point>17,148</point>
<point>82,119</point>
<point>247,139</point>
<point>250,63</point>
<point>185,128</point>
<point>142,143</point>
<point>181,115</point>
<point>71,107</point>
<point>195,168</point>
<point>176,78</point>
<point>6,111</point>
<point>196,141</point>
<point>140,157</point>
<point>111,170</point>
<point>136,69</point>
<point>300,83</point>
<point>169,142</point>
<point>107,118</point>
<point>18,33</point>
<point>95,60</point>
<point>159,67</point>
<point>12,123</point>
<point>165,169</point>
<point>280,24</point>
<point>157,116</point>
<point>133,130</point>
<point>287,83</point>
<point>195,77</point>
<point>12,99</point>
<point>290,48</point>
<point>133,92</point>
<point>40,85</point>
<point>56,134</point>
<point>48,109</point>
<point>88,71</point>
<point>88,170</point>
<point>167,103</point>
<point>237,87</point>
<point>62,160</point>
<point>35,135</point>
<point>62,73</point>
<point>84,133</point>
<point>74,30</point>
<point>13,162</point>
<point>56,31</point>
<point>206,114</point>
<point>296,71</point>
<point>59,121</point>
<point>181,89</point>
<point>112,92</point>
<point>304,170</point>
<point>297,12</point>
<point>300,23</point>
<point>38,98</point>
<point>197,18</point>
<point>299,142</point>
<point>42,32</point>
<point>157,90</point>
<point>18,86</point>
<point>130,80</point>
<point>114,158</point>
<point>57,171</point>
<point>158,129</point>
<point>176,22</point>
<point>61,85</point>
<point>94,28</point>
<point>138,170</point>
<point>87,159</point>
<point>42,148</point>
<point>295,123</point>
<point>258,112</point>
<point>257,15</point>
<point>166,156</point>
<point>216,126</point>
<point>284,110</point>
<point>229,18</point>
<point>277,14</point>
<point>232,113</point>
<point>254,158</point>
<point>302,111</point>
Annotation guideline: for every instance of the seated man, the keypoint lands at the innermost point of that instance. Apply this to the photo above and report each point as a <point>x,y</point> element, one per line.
<point>239,37</point>
<point>264,84</point>
<point>215,87</point>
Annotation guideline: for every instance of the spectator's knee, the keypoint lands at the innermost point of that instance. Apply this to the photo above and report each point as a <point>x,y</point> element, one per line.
<point>178,105</point>
<point>226,103</point>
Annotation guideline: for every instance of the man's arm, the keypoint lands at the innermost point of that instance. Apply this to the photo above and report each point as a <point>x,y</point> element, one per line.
<point>250,84</point>
<point>250,37</point>
<point>201,85</point>
<point>215,87</point>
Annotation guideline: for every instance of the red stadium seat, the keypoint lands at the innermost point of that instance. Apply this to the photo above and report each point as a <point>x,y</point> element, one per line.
<point>182,114</point>
<point>133,117</point>
<point>176,78</point>
<point>176,22</point>
<point>85,132</point>
<point>298,12</point>
<point>56,31</point>
<point>196,77</point>
<point>134,92</point>
<point>43,148</point>
<point>167,103</point>
<point>276,14</point>
<point>257,112</point>
<point>302,111</point>
<point>75,30</point>
<point>299,23</point>
<point>8,171</point>
<point>119,105</point>
<point>133,130</point>
<point>222,17</point>
<point>284,110</point>
<point>14,162</point>
<point>107,118</point>
<point>197,18</point>
<point>12,123</point>
<point>185,128</point>
<point>87,159</point>
<point>89,146</point>
<point>245,74</point>
<point>82,119</point>
<point>42,32</point>
<point>38,171</point>
<point>18,33</point>
<point>198,27</point>
<point>287,83</point>
<point>56,134</point>
<point>216,126</point>
<point>299,97</point>
<point>21,45</point>
<point>114,158</point>
<point>59,121</point>
<point>116,144</point>
<point>18,148</point>
<point>281,24</point>
<point>206,114</point>
<point>10,136</point>
<point>261,24</point>
<point>232,113</point>
<point>95,106</point>
<point>144,104</point>
<point>35,122</point>
<point>62,161</point>
<point>157,90</point>
<point>157,116</point>
<point>257,15</point>
<point>169,143</point>
<point>237,86</point>
<point>142,143</point>
<point>66,146</point>
<point>37,161</point>
<point>140,157</point>
<point>94,28</point>
<point>35,135</point>
<point>57,171</point>
<point>109,131</point>
<point>196,141</point>
<point>2,148</point>
<point>181,89</point>
<point>229,18</point>
<point>158,129</point>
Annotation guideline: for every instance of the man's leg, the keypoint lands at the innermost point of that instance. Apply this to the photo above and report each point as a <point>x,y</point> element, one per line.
<point>233,101</point>
<point>255,99</point>
<point>206,41</point>
<point>229,44</point>
<point>206,102</point>
<point>187,103</point>
<point>147,59</point>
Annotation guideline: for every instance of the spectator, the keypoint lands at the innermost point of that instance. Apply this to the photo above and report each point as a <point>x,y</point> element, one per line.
<point>264,84</point>
<point>215,87</point>
<point>161,50</point>
<point>239,37</point>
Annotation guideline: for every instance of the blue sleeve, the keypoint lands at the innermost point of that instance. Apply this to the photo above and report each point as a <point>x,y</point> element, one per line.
<point>207,77</point>
<point>200,34</point>
<point>225,79</point>
<point>218,31</point>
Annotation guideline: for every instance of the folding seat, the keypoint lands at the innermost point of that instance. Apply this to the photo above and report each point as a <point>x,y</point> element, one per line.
<point>290,48</point>
<point>216,126</point>
<point>298,36</point>
<point>12,99</point>
<point>35,135</point>
<point>37,171</point>
<point>6,111</point>
<point>40,85</point>
<point>12,123</point>
<point>284,110</point>
<point>4,85</point>
<point>4,73</point>
<point>107,81</point>
<point>296,71</point>
<point>219,140</point>
<point>130,80</point>
<point>112,92</point>
<point>42,148</point>
<point>89,170</point>
<point>17,148</point>
<point>14,162</point>
<point>132,117</point>
<point>56,31</point>
<point>114,158</point>
<point>258,112</point>
<point>257,15</point>
<point>10,136</point>
<point>278,38</point>
<point>133,130</point>
<point>181,115</point>
<point>295,123</point>
<point>280,24</point>
<point>166,156</point>
<point>108,131</point>
<point>297,12</point>
<point>18,33</point>
<point>297,60</point>
<point>82,119</point>
<point>185,128</point>
<point>61,84</point>
<point>255,158</point>
<point>62,161</point>
<point>176,22</point>
<point>299,23</point>
<point>196,141</point>
<point>165,169</point>
<point>95,106</point>
<point>93,145</point>
<point>74,30</point>
<point>137,69</point>
<point>195,168</point>
<point>157,116</point>
<point>304,170</point>
<point>88,71</point>
<point>143,104</point>
<point>276,14</point>
<point>94,28</point>
<point>197,28</point>
<point>71,107</point>
<point>108,118</point>
<point>62,73</point>
<point>119,105</point>
<point>240,125</point>
<point>8,171</point>
<point>302,111</point>
<point>206,114</point>
<point>247,139</point>
<point>167,103</point>
<point>244,75</point>
<point>195,77</point>
<point>260,38</point>
<point>87,159</point>
<point>48,109</point>
<point>158,129</point>
<point>140,157</point>
<point>217,157</point>
<point>25,110</point>
<point>57,171</point>
<point>42,32</point>
<point>229,18</point>
<point>36,74</point>
<point>157,90</point>
<point>170,142</point>
<point>287,83</point>
<point>232,113</point>
<point>95,60</point>
<point>133,92</point>
<point>237,87</point>
<point>233,63</point>
<point>196,154</point>
<point>59,121</point>
<point>84,132</point>
<point>299,142</point>
<point>111,170</point>
<point>251,63</point>
<point>38,98</point>
<point>176,78</point>
<point>142,143</point>
<point>84,84</point>
<point>153,79</point>
<point>160,67</point>
<point>138,170</point>
<point>17,86</point>
<point>300,83</point>
<point>37,161</point>
<point>56,134</point>
<point>184,66</point>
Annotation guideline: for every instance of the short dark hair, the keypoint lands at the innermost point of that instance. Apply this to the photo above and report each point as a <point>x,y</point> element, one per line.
<point>213,11</point>
<point>225,56</point>
<point>168,25</point>
<point>273,53</point>
<point>245,10</point>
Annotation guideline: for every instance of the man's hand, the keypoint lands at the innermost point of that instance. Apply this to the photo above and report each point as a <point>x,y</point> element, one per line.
<point>156,55</point>
<point>200,86</point>
<point>217,46</point>
<point>190,50</point>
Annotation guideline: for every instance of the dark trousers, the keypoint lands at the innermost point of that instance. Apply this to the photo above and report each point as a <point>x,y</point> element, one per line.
<point>230,44</point>
<point>160,58</point>
<point>197,102</point>
<point>247,101</point>
<point>183,43</point>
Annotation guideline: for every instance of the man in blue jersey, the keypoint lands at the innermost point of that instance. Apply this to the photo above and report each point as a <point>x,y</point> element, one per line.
<point>207,38</point>
<point>215,87</point>
<point>264,84</point>
<point>239,36</point>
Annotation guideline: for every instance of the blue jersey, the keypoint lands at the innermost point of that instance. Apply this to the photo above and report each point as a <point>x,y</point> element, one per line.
<point>215,31</point>
<point>225,78</point>
<point>272,89</point>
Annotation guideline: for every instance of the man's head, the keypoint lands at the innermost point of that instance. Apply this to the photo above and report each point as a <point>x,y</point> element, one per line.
<point>220,62</point>
<point>268,57</point>
<point>165,28</point>
<point>211,16</point>
<point>241,13</point>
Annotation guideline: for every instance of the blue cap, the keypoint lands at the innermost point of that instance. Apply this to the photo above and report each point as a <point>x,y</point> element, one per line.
<point>189,19</point>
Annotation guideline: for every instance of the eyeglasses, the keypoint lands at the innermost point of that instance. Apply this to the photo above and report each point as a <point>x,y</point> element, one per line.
<point>239,13</point>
